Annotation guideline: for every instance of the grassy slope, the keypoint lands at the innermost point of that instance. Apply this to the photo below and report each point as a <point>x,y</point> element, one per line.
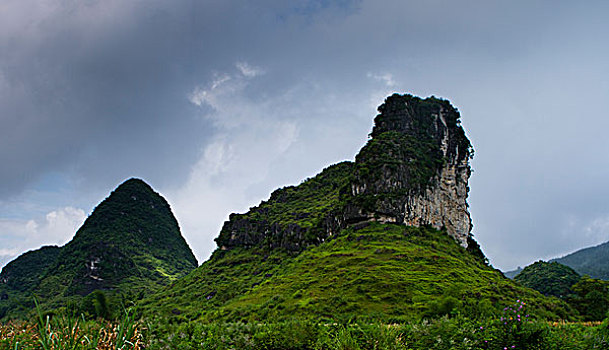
<point>303,207</point>
<point>308,203</point>
<point>384,272</point>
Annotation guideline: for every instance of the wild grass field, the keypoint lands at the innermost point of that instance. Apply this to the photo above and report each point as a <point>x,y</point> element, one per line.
<point>513,329</point>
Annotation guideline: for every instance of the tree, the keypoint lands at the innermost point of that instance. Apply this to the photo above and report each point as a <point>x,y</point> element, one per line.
<point>591,298</point>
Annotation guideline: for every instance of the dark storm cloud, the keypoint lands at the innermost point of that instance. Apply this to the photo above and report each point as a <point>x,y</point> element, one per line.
<point>101,85</point>
<point>109,89</point>
<point>104,90</point>
<point>90,94</point>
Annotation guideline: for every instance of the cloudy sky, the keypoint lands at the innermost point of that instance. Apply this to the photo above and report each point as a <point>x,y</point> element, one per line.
<point>216,103</point>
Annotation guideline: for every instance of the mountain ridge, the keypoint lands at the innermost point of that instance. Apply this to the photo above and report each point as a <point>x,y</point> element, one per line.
<point>592,261</point>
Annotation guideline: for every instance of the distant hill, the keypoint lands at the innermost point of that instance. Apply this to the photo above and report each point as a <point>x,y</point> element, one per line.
<point>25,272</point>
<point>386,237</point>
<point>513,273</point>
<point>592,261</point>
<point>548,278</point>
<point>130,245</point>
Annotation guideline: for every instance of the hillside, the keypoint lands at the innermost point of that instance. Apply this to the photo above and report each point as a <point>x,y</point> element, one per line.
<point>130,245</point>
<point>386,237</point>
<point>24,273</point>
<point>385,272</point>
<point>548,278</point>
<point>592,261</point>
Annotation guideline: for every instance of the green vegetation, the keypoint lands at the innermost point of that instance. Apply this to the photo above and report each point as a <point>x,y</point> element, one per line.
<point>22,275</point>
<point>67,331</point>
<point>317,266</point>
<point>25,272</point>
<point>589,261</point>
<point>294,217</point>
<point>456,333</point>
<point>374,272</point>
<point>548,278</point>
<point>414,161</point>
<point>128,247</point>
<point>591,298</point>
<point>513,328</point>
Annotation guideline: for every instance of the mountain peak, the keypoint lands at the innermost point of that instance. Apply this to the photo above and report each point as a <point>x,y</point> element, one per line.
<point>424,118</point>
<point>131,243</point>
<point>134,183</point>
<point>414,170</point>
<point>132,231</point>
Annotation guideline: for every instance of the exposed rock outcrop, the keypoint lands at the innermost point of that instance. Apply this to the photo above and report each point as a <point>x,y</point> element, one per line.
<point>414,170</point>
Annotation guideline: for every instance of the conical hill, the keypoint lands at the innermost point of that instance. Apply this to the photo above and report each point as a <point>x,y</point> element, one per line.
<point>130,245</point>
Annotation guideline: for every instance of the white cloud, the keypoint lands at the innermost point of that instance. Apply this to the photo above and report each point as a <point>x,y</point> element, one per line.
<point>598,228</point>
<point>248,70</point>
<point>250,137</point>
<point>224,84</point>
<point>386,78</point>
<point>200,96</point>
<point>57,227</point>
<point>262,144</point>
<point>8,252</point>
<point>222,94</point>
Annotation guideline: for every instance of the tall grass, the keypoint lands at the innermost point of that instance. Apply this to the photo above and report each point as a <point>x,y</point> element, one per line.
<point>456,333</point>
<point>67,331</point>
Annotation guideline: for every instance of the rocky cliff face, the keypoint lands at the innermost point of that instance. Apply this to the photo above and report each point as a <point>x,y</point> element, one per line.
<point>414,170</point>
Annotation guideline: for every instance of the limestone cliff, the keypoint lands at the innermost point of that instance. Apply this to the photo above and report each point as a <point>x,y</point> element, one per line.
<point>414,170</point>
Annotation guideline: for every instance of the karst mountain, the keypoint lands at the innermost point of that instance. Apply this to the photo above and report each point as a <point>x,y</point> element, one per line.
<point>384,237</point>
<point>128,247</point>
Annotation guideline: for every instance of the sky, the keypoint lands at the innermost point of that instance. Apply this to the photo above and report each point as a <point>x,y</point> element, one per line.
<point>216,103</point>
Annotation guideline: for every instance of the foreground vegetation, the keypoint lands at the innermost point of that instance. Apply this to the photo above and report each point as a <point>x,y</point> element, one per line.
<point>68,331</point>
<point>454,332</point>
<point>444,333</point>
